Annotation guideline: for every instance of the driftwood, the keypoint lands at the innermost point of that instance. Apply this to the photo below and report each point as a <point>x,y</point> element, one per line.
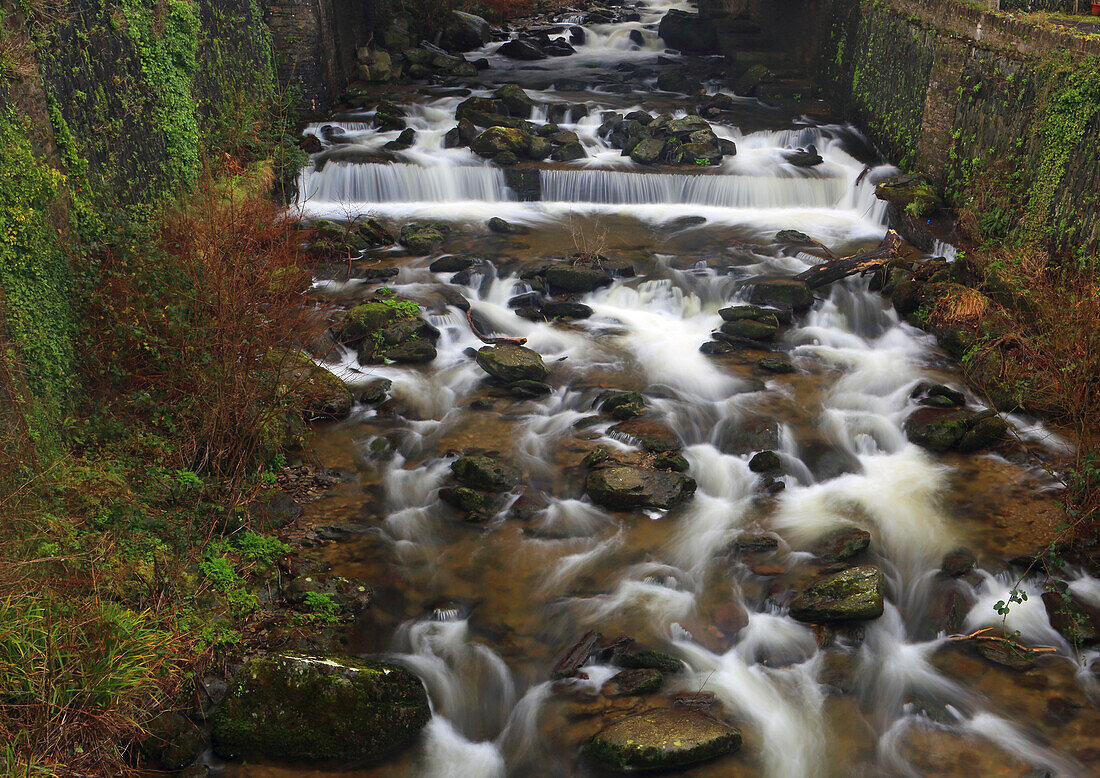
<point>834,270</point>
<point>491,341</point>
<point>577,655</point>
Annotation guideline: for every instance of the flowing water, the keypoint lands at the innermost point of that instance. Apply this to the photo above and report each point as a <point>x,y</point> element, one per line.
<point>480,612</point>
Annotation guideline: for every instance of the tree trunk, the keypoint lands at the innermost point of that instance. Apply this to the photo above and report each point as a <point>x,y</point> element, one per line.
<point>834,270</point>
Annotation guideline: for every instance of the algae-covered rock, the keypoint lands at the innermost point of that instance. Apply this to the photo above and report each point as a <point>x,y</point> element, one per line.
<point>662,739</point>
<point>749,328</point>
<point>623,488</point>
<point>854,594</point>
<point>960,430</point>
<point>478,505</point>
<point>496,140</point>
<point>631,682</point>
<point>289,706</point>
<point>647,659</point>
<point>648,151</point>
<point>841,544</point>
<point>624,405</point>
<point>508,362</point>
<point>488,473</point>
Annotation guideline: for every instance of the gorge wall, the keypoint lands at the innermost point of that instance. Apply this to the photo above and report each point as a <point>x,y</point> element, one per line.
<point>1004,116</point>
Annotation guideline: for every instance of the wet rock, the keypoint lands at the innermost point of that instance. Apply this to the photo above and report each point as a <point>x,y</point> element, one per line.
<point>488,473</point>
<point>310,144</point>
<point>962,431</point>
<point>403,141</point>
<point>565,277</point>
<point>716,347</point>
<point>912,194</point>
<point>650,434</point>
<point>412,352</point>
<point>596,456</point>
<point>749,82</point>
<point>939,396</point>
<point>854,594</point>
<point>498,225</point>
<point>632,682</point>
<point>466,32</point>
<point>958,563</point>
<point>646,659</point>
<point>688,32</point>
<point>453,263</point>
<point>780,292</point>
<point>423,237</point>
<point>479,506</point>
<point>1008,653</point>
<point>776,365</point>
<point>498,140</point>
<point>296,707</point>
<point>624,488</point>
<point>519,49</point>
<point>749,435</point>
<point>755,313</point>
<point>568,152</point>
<point>576,655</point>
<point>670,461</point>
<point>1075,620</point>
<point>624,405</point>
<point>750,329</point>
<point>508,362</point>
<point>313,389</point>
<point>565,310</point>
<point>648,151</point>
<point>273,510</point>
<point>662,739</point>
<point>529,389</point>
<point>515,100</point>
<point>807,157</point>
<point>765,461</point>
<point>756,543</point>
<point>173,741</point>
<point>841,544</point>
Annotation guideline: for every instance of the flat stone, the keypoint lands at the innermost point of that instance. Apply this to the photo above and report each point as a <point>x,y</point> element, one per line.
<point>632,682</point>
<point>509,362</point>
<point>662,739</point>
<point>623,488</point>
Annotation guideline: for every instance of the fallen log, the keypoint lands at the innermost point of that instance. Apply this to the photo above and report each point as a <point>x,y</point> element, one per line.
<point>834,270</point>
<point>491,341</point>
<point>575,656</point>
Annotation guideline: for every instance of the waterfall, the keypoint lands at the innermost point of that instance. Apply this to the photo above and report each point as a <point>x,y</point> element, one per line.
<point>725,191</point>
<point>402,183</point>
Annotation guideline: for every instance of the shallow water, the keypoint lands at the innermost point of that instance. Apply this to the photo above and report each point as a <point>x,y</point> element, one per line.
<point>480,612</point>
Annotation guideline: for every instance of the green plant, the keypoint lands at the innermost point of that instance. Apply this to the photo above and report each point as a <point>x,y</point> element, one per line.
<point>264,550</point>
<point>321,607</point>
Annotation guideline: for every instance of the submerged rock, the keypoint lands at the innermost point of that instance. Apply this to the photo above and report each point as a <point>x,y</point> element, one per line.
<point>632,682</point>
<point>623,488</point>
<point>288,706</point>
<point>488,473</point>
<point>854,594</point>
<point>662,739</point>
<point>509,362</point>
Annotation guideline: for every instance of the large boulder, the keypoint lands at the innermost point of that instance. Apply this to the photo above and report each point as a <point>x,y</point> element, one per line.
<point>515,100</point>
<point>466,32</point>
<point>960,430</point>
<point>496,140</point>
<point>688,32</point>
<point>310,387</point>
<point>623,488</point>
<point>509,362</point>
<point>488,473</point>
<point>517,49</point>
<point>854,594</point>
<point>648,151</point>
<point>288,706</point>
<point>423,237</point>
<point>662,739</point>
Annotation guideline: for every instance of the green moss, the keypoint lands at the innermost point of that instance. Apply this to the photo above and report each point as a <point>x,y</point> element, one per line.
<point>35,279</point>
<point>167,42</point>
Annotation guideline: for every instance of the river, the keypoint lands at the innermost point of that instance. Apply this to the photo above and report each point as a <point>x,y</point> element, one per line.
<point>481,611</point>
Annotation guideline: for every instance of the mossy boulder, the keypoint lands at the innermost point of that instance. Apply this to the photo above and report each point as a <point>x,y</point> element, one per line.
<point>516,102</point>
<point>662,739</point>
<point>310,387</point>
<point>961,430</point>
<point>648,151</point>
<point>750,328</point>
<point>478,505</point>
<point>288,706</point>
<point>509,362</point>
<point>647,659</point>
<point>496,140</point>
<point>632,682</point>
<point>624,488</point>
<point>423,237</point>
<point>912,194</point>
<point>841,544</point>
<point>624,405</point>
<point>569,152</point>
<point>488,473</point>
<point>365,319</point>
<point>850,595</point>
